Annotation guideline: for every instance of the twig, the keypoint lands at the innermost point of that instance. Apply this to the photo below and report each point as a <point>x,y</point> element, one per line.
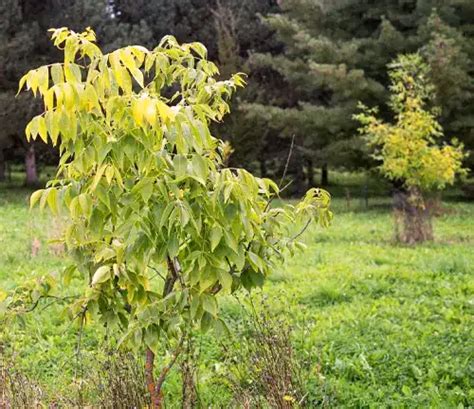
<point>283,176</point>
<point>35,305</point>
<point>287,164</point>
<point>286,186</point>
<point>301,231</point>
<point>166,369</point>
<point>78,354</point>
<point>157,273</point>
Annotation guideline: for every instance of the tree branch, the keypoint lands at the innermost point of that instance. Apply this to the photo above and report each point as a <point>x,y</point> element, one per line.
<point>288,158</point>
<point>166,369</point>
<point>301,231</point>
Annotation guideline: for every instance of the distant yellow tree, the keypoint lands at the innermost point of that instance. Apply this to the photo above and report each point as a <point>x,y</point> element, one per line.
<point>409,148</point>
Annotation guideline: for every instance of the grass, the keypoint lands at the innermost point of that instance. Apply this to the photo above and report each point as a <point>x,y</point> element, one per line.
<point>378,324</point>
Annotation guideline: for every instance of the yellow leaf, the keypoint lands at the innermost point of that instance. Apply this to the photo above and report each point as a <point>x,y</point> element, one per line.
<point>98,176</point>
<point>109,174</point>
<point>149,111</point>
<point>35,197</point>
<point>165,111</point>
<point>49,99</point>
<point>137,111</point>
<point>42,129</point>
<point>43,79</point>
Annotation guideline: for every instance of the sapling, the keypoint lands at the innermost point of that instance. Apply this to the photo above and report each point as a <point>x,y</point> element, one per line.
<point>158,226</point>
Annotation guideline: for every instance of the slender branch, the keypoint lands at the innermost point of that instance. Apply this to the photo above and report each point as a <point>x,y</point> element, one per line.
<point>286,186</point>
<point>287,164</point>
<point>149,366</point>
<point>158,274</point>
<point>216,289</point>
<point>154,388</point>
<point>35,305</point>
<point>166,369</point>
<point>283,176</point>
<point>301,231</point>
<point>78,353</point>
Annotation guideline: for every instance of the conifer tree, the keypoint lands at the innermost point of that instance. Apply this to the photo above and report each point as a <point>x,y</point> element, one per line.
<point>334,53</point>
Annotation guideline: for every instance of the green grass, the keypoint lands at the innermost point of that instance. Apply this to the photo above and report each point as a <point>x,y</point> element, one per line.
<point>388,325</point>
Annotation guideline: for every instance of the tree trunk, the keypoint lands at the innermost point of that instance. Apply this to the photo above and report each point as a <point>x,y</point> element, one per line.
<point>412,217</point>
<point>156,396</point>
<point>310,173</point>
<point>155,387</point>
<point>189,389</point>
<point>30,166</point>
<point>299,180</point>
<point>2,166</point>
<point>324,175</point>
<point>263,168</point>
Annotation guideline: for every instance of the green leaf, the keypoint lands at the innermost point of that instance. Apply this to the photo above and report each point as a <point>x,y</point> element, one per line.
<point>145,188</point>
<point>255,261</point>
<point>68,274</point>
<point>35,197</point>
<point>225,278</point>
<point>180,164</point>
<point>53,200</point>
<point>101,275</point>
<point>209,304</point>
<point>215,236</point>
<point>173,246</point>
<point>199,167</point>
<point>206,321</point>
<point>152,338</point>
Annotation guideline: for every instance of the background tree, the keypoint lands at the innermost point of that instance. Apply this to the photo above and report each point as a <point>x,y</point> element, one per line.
<point>315,84</point>
<point>346,43</point>
<point>335,53</point>
<point>23,44</point>
<point>157,225</point>
<point>408,148</point>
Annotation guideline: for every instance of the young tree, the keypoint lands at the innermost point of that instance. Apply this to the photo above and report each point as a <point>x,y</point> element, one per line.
<point>408,148</point>
<point>158,227</point>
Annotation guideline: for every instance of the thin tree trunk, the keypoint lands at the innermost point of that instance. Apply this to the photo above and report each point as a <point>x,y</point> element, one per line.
<point>155,387</point>
<point>299,180</point>
<point>155,396</point>
<point>188,371</point>
<point>2,166</point>
<point>324,175</point>
<point>30,166</point>
<point>263,167</point>
<point>310,173</point>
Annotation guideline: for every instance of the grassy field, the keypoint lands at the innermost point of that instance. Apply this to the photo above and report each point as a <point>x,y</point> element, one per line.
<point>377,324</point>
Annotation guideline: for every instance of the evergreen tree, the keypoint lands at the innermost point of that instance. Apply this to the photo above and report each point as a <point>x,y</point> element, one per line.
<point>335,53</point>
<point>24,43</point>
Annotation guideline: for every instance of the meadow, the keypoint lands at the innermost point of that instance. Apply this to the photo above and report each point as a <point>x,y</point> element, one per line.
<point>373,323</point>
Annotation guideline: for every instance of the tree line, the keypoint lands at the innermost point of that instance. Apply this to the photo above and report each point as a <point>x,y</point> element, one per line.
<point>309,64</point>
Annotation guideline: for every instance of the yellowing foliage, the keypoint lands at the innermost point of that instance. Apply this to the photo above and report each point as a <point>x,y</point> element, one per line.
<point>409,148</point>
<point>157,225</point>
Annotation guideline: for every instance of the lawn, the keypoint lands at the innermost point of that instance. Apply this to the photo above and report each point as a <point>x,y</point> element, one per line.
<point>376,324</point>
